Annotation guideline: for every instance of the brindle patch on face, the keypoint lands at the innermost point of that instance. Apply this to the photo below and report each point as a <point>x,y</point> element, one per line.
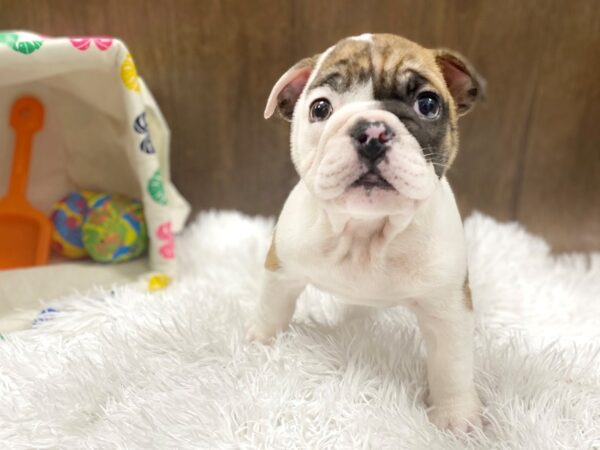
<point>432,135</point>
<point>398,70</point>
<point>348,64</point>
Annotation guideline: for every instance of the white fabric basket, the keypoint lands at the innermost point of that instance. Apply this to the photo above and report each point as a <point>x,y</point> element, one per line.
<point>103,130</point>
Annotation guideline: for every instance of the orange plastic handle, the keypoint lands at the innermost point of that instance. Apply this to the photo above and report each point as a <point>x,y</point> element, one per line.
<point>26,117</point>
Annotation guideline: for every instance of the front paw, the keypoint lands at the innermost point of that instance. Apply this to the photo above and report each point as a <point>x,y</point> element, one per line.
<point>458,415</point>
<point>260,332</point>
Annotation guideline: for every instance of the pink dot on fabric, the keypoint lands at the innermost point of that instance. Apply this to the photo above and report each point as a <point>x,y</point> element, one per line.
<point>163,232</point>
<point>103,43</point>
<point>168,250</point>
<point>81,43</point>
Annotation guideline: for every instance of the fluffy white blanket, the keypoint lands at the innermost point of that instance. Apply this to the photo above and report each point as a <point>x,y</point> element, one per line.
<point>171,370</point>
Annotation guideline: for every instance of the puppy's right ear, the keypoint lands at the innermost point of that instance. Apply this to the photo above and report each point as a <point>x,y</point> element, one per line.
<point>288,88</point>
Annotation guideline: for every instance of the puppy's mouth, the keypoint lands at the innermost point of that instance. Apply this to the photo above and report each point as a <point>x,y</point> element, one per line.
<point>372,180</point>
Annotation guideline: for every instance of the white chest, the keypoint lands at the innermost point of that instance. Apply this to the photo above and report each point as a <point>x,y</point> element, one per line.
<point>376,261</point>
<point>363,269</point>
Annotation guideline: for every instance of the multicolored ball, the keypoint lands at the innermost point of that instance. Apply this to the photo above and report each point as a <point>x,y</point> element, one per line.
<point>115,229</point>
<point>68,216</point>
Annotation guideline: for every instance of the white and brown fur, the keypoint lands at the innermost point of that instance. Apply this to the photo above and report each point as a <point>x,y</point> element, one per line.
<point>369,246</point>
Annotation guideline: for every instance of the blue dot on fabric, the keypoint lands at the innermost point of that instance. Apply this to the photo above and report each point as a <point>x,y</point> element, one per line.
<point>44,315</point>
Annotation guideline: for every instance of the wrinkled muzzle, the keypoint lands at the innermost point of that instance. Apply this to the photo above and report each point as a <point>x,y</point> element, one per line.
<point>366,151</point>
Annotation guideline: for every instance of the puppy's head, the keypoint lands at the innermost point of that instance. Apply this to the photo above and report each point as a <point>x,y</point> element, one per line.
<point>374,121</point>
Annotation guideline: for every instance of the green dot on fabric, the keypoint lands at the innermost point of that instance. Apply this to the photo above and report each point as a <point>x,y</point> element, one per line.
<point>25,46</point>
<point>156,188</point>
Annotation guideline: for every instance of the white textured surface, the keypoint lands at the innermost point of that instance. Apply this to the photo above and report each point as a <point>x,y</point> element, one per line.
<point>171,370</point>
<point>23,290</point>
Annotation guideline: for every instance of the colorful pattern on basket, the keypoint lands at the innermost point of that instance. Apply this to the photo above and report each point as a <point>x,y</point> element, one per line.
<point>22,43</point>
<point>156,188</point>
<point>140,125</point>
<point>164,233</point>
<point>129,74</point>
<point>83,43</point>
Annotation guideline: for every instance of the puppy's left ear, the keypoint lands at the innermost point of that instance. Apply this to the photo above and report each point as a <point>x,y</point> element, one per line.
<point>288,88</point>
<point>464,83</point>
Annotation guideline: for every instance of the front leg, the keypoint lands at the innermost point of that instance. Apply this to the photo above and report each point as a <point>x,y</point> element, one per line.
<point>277,302</point>
<point>447,328</point>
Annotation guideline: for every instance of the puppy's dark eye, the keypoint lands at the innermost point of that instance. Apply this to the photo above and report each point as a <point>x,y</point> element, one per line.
<point>320,110</point>
<point>428,105</point>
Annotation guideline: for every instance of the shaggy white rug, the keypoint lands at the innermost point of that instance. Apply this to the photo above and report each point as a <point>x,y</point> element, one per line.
<point>123,369</point>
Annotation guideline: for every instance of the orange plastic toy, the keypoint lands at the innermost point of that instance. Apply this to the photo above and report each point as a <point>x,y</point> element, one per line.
<point>24,231</point>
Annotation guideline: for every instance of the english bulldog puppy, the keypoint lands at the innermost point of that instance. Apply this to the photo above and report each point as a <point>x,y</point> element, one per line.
<point>373,219</point>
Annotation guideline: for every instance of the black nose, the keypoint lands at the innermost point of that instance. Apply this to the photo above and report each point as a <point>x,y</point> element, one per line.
<point>371,139</point>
